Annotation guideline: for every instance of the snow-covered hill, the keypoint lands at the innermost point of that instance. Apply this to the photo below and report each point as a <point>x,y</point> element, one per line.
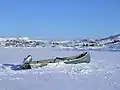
<point>76,44</point>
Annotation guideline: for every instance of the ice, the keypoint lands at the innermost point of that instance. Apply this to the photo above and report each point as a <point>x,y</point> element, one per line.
<point>102,73</point>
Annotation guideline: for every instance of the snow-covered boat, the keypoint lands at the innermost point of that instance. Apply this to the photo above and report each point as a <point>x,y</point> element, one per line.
<point>80,58</point>
<point>29,64</point>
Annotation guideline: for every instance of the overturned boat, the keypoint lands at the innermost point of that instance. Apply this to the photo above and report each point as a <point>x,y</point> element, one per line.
<point>76,59</point>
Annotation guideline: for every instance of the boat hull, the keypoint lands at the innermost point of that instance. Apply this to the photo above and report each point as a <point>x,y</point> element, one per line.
<point>67,60</point>
<point>85,59</point>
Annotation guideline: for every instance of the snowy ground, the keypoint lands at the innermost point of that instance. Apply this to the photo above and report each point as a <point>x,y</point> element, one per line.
<point>101,74</point>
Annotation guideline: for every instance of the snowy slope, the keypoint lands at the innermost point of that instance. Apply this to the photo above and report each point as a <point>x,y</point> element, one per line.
<point>101,74</point>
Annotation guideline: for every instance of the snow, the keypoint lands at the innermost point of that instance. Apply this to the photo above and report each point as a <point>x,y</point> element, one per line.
<point>102,73</point>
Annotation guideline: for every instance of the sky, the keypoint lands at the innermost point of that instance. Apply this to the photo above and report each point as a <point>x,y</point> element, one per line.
<point>59,19</point>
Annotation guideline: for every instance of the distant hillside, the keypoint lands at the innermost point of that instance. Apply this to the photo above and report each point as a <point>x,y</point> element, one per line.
<point>109,38</point>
